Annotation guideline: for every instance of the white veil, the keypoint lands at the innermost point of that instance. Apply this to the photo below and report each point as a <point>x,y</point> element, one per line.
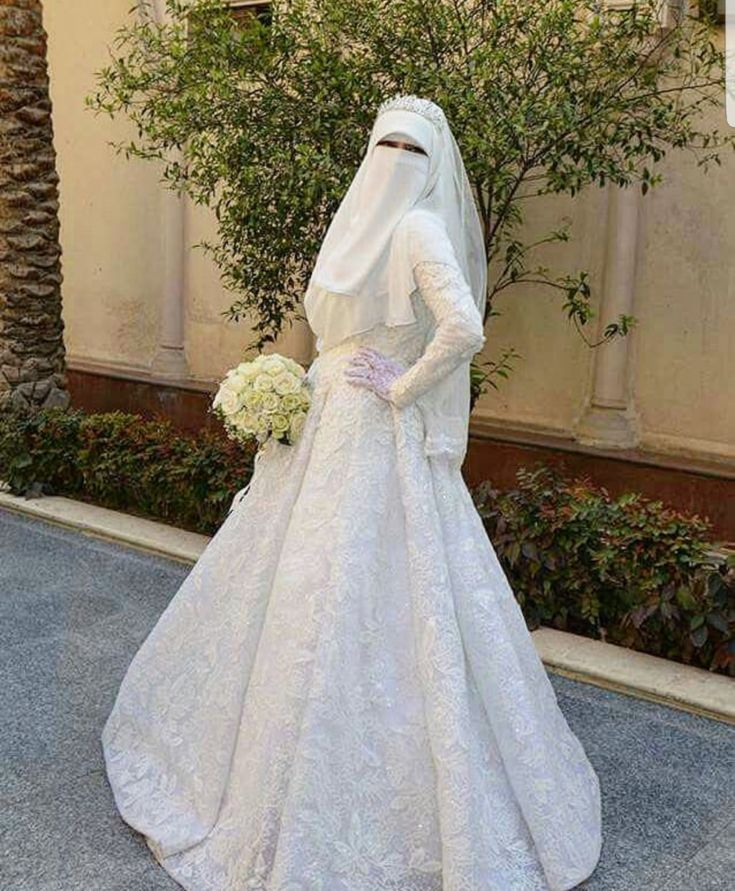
<point>374,287</point>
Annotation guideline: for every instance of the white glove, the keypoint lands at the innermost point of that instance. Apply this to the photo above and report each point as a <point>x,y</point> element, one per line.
<point>372,369</point>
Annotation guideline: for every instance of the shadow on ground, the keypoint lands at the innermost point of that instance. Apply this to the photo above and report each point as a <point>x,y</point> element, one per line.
<point>73,611</point>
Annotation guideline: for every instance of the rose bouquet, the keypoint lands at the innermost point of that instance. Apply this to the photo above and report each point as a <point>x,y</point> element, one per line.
<point>265,398</point>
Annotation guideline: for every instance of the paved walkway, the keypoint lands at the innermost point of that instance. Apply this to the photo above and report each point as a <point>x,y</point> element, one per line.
<point>73,610</point>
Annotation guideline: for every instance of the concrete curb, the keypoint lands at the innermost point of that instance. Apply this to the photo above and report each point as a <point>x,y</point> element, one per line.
<point>637,674</point>
<point>592,661</point>
<point>100,522</point>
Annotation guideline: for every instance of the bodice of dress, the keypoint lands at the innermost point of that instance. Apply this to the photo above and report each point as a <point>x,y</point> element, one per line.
<point>404,343</point>
<point>447,331</point>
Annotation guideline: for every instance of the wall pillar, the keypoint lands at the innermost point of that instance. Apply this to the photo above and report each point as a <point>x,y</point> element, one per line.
<point>610,421</point>
<point>169,362</point>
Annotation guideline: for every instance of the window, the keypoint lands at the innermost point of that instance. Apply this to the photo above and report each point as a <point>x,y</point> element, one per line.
<point>245,11</point>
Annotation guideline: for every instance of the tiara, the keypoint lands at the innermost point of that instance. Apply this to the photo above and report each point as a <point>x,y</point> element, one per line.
<point>425,107</point>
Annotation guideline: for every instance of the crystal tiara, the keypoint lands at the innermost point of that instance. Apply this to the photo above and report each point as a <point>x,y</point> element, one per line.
<point>425,107</point>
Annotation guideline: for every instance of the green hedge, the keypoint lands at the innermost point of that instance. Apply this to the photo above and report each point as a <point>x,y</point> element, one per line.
<point>124,462</point>
<point>627,570</point>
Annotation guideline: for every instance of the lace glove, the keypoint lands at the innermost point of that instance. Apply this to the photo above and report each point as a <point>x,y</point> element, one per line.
<point>372,369</point>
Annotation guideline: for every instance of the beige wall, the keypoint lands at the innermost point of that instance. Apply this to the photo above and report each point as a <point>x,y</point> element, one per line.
<point>682,362</point>
<point>682,353</point>
<point>547,387</point>
<point>110,208</point>
<point>112,222</point>
<point>685,346</point>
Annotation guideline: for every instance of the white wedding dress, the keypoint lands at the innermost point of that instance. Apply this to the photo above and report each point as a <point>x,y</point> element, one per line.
<point>343,694</point>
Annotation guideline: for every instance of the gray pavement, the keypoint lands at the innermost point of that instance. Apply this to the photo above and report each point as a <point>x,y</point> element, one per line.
<point>73,610</point>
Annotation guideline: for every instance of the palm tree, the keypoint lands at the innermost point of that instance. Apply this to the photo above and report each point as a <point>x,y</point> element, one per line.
<point>31,342</point>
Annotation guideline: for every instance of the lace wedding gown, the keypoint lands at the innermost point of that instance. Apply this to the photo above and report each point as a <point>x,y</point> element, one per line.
<point>343,695</point>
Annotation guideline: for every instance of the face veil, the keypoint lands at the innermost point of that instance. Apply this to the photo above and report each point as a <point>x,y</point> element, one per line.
<point>357,282</point>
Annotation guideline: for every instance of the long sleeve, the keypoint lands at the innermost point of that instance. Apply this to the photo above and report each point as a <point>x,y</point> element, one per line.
<point>458,333</point>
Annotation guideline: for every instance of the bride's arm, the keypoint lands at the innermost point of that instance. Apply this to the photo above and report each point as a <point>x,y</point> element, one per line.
<point>457,337</point>
<point>458,331</point>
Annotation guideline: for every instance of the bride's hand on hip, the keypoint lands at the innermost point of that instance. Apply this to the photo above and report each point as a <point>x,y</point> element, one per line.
<point>373,370</point>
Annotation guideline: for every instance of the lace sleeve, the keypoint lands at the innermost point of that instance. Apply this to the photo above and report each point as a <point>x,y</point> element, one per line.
<point>458,333</point>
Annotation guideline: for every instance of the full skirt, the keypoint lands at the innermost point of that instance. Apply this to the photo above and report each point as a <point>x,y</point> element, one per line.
<point>343,695</point>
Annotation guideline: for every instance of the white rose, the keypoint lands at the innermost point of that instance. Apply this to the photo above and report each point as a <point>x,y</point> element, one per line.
<point>246,416</point>
<point>291,401</point>
<point>253,399</point>
<point>247,370</point>
<point>271,364</point>
<point>227,398</point>
<point>242,381</point>
<point>279,423</point>
<point>294,368</point>
<point>269,401</point>
<point>297,425</point>
<point>286,383</point>
<point>263,382</point>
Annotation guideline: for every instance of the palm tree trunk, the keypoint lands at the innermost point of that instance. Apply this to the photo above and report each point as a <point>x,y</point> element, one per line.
<point>31,329</point>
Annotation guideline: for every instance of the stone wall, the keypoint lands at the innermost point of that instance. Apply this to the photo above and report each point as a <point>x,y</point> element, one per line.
<point>31,344</point>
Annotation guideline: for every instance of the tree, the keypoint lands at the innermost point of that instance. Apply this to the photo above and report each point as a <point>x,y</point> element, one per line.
<point>31,329</point>
<point>544,96</point>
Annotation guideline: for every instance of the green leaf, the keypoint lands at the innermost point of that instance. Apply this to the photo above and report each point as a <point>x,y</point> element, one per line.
<point>718,621</point>
<point>700,636</point>
<point>685,598</point>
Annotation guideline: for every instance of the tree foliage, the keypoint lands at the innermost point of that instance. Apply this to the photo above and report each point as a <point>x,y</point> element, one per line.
<point>266,122</point>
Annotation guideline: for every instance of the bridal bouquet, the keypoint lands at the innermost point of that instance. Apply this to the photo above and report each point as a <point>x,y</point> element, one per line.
<point>267,397</point>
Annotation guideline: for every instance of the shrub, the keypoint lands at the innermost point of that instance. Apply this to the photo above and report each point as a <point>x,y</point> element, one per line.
<point>124,462</point>
<point>627,570</point>
<point>39,452</point>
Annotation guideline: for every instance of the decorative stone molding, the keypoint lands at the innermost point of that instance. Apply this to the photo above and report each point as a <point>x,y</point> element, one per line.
<point>170,359</point>
<point>31,329</point>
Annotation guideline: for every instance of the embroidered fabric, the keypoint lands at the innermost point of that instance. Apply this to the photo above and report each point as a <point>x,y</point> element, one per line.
<point>456,336</point>
<point>343,694</point>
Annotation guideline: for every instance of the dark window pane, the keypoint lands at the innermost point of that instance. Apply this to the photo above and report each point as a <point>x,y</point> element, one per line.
<point>244,12</point>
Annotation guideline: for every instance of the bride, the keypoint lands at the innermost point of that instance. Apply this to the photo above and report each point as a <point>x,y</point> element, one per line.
<point>343,694</point>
